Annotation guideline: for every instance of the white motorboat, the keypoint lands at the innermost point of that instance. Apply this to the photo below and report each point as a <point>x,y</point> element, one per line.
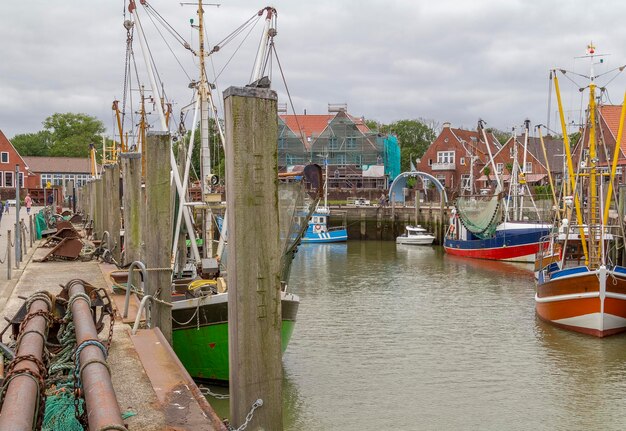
<point>415,235</point>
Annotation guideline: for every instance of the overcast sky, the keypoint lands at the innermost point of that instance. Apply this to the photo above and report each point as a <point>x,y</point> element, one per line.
<point>442,60</point>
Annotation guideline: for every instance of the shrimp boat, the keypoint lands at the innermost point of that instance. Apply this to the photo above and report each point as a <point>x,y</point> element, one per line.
<point>200,300</point>
<point>318,230</point>
<point>492,227</point>
<point>585,290</point>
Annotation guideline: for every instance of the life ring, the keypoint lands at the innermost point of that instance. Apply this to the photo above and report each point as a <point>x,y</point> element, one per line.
<point>317,228</point>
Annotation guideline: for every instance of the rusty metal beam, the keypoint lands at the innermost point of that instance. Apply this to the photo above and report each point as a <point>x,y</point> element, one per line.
<point>100,401</point>
<point>20,400</point>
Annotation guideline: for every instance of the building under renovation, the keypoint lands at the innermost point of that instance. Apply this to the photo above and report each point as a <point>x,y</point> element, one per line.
<point>356,156</point>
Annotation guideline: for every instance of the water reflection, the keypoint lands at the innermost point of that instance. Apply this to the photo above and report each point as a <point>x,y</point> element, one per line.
<point>408,338</point>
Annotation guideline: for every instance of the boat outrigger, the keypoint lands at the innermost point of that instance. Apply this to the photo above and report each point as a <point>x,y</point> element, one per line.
<point>584,289</point>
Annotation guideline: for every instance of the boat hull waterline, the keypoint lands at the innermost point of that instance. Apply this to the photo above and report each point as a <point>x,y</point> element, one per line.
<point>201,341</point>
<point>580,300</point>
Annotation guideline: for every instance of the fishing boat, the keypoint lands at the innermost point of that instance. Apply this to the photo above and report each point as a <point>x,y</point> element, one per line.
<point>585,290</point>
<point>496,226</point>
<point>415,235</point>
<point>200,301</point>
<point>319,230</point>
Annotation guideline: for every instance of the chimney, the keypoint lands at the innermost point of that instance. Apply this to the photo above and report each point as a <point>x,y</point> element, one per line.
<point>305,112</point>
<point>446,125</point>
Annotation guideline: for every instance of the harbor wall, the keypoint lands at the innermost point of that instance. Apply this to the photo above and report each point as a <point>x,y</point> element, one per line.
<point>386,223</point>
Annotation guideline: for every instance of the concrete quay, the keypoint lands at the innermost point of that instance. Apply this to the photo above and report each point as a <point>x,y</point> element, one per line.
<point>148,379</point>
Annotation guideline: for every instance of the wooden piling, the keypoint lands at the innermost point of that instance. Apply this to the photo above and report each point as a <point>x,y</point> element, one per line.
<point>97,211</point>
<point>112,203</point>
<point>254,306</point>
<point>417,207</point>
<point>159,241</point>
<point>106,207</point>
<point>131,183</point>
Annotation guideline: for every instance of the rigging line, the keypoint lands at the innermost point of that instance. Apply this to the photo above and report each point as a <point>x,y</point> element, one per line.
<point>280,68</point>
<point>234,53</point>
<point>616,75</point>
<point>171,29</point>
<point>619,68</point>
<point>236,32</point>
<point>169,47</point>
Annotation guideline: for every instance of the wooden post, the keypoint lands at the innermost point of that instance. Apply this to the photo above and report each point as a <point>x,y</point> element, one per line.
<point>417,206</point>
<point>393,214</point>
<point>112,186</point>
<point>363,225</point>
<point>105,177</point>
<point>254,305</point>
<point>441,217</point>
<point>159,221</point>
<point>131,182</point>
<point>97,210</point>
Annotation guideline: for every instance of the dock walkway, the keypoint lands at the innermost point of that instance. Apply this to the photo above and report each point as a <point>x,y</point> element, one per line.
<point>149,380</point>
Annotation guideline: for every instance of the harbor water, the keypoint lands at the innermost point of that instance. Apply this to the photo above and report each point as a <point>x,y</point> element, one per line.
<point>408,338</point>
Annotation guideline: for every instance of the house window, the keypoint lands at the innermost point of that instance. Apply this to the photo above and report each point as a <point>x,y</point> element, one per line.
<point>529,168</point>
<point>445,156</point>
<point>333,144</point>
<point>8,179</point>
<point>430,162</point>
<point>351,143</point>
<point>499,167</point>
<point>45,178</point>
<point>462,160</point>
<point>465,181</point>
<point>4,157</point>
<point>442,179</point>
<point>281,143</point>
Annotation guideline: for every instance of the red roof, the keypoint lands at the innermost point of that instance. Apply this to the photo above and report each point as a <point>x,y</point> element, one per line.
<point>309,125</point>
<point>611,115</point>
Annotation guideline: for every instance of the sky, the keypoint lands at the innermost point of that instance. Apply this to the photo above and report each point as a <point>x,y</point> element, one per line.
<point>443,61</point>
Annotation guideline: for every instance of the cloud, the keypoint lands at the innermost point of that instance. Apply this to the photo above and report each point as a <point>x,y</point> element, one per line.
<point>446,60</point>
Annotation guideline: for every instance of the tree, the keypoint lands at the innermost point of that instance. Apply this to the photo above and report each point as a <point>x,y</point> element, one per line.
<point>372,125</point>
<point>72,133</point>
<point>33,144</point>
<point>501,136</point>
<point>414,137</point>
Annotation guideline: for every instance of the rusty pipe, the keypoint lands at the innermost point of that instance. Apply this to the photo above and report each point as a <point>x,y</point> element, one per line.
<point>100,401</point>
<point>20,400</point>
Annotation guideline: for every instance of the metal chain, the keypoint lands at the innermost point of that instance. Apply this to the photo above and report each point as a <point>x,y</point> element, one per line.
<point>258,403</point>
<point>207,391</point>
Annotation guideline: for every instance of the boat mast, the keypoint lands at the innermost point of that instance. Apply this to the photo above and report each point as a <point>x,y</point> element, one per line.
<point>205,150</point>
<point>594,244</point>
<point>493,164</point>
<point>522,180</point>
<point>570,169</point>
<point>159,108</point>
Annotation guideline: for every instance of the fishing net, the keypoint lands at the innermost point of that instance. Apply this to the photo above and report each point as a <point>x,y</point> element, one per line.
<point>479,214</point>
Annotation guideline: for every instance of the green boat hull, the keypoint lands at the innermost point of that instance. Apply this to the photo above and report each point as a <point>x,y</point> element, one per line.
<point>201,343</point>
<point>204,351</point>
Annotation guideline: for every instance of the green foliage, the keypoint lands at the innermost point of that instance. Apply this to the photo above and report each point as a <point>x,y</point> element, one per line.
<point>574,138</point>
<point>414,137</point>
<point>33,144</point>
<point>72,133</point>
<point>543,192</point>
<point>501,136</point>
<point>487,171</point>
<point>372,125</point>
<point>509,167</point>
<point>65,134</point>
<point>217,152</point>
<point>410,182</point>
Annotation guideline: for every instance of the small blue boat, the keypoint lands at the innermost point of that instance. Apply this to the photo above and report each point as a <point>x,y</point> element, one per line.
<point>318,230</point>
